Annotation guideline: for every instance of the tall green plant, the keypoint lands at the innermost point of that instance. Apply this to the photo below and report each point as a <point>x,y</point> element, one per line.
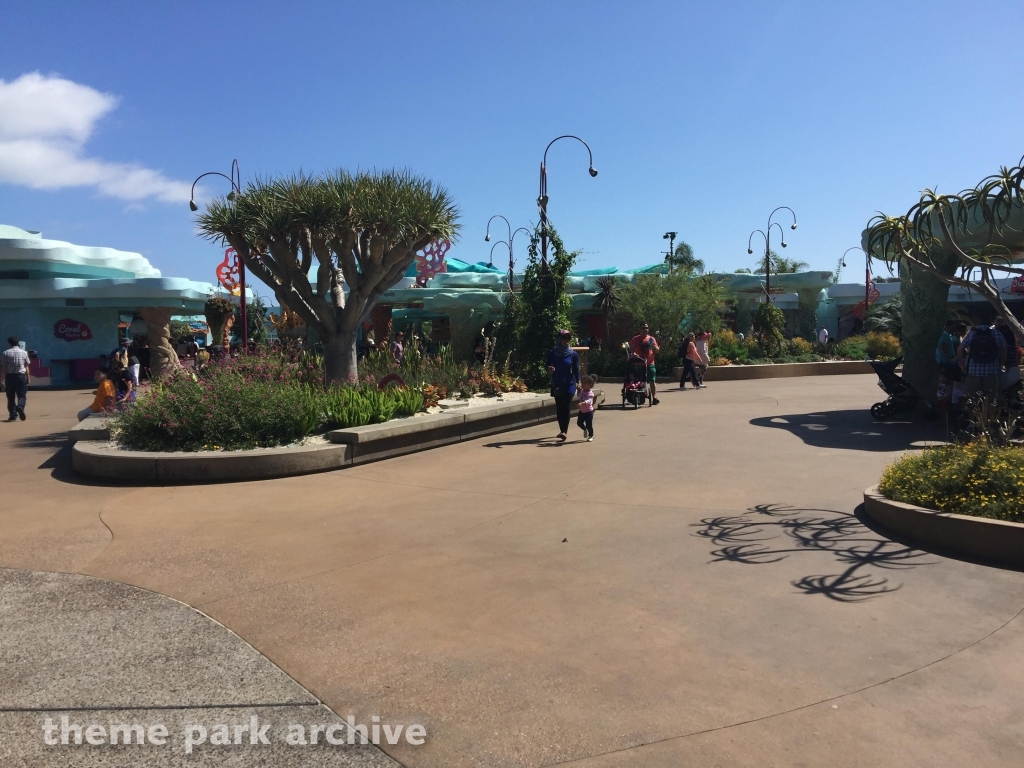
<point>607,301</point>
<point>535,314</point>
<point>768,323</point>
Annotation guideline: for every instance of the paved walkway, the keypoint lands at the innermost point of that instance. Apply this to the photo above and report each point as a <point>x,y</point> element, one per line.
<point>693,588</point>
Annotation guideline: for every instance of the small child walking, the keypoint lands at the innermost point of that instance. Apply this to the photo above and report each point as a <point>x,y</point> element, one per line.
<point>585,419</point>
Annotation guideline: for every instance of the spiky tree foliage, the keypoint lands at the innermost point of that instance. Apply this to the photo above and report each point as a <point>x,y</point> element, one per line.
<point>684,260</point>
<point>780,265</point>
<point>607,301</point>
<point>968,239</point>
<point>886,318</point>
<point>360,231</point>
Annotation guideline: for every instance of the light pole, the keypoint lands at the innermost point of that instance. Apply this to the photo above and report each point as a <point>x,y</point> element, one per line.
<point>509,243</point>
<point>236,189</point>
<point>542,198</point>
<point>671,237</point>
<point>767,250</point>
<point>867,271</point>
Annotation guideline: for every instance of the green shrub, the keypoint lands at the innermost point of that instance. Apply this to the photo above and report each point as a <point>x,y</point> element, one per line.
<point>883,346</point>
<point>799,346</point>
<point>726,344</point>
<point>408,401</point>
<point>768,323</point>
<point>189,413</point>
<point>977,480</point>
<point>853,347</point>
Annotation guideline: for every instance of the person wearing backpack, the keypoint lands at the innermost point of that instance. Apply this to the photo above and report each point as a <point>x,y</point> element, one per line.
<point>982,355</point>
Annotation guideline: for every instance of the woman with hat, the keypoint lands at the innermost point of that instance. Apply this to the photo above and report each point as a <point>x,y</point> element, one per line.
<point>563,364</point>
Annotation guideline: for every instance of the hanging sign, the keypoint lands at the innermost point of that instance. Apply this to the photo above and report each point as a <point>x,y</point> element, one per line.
<point>71,330</point>
<point>1017,285</point>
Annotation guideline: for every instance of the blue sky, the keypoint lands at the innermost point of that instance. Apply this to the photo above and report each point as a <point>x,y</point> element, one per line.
<point>702,117</point>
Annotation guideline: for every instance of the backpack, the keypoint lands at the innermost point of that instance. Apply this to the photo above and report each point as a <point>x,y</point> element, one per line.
<point>983,346</point>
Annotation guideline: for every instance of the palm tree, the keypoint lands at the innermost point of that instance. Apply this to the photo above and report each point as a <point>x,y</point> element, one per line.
<point>362,229</point>
<point>780,265</point>
<point>607,300</point>
<point>886,318</point>
<point>684,259</point>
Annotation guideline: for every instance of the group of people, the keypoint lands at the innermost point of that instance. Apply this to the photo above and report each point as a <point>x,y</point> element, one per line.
<point>563,363</point>
<point>984,359</point>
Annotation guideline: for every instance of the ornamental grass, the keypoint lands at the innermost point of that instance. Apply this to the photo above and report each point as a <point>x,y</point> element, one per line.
<point>977,479</point>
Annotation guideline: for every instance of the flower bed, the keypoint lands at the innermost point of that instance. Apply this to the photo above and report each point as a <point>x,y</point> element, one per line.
<point>253,402</point>
<point>977,480</point>
<point>268,400</point>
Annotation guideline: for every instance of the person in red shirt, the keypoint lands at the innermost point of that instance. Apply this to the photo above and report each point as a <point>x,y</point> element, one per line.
<point>644,345</point>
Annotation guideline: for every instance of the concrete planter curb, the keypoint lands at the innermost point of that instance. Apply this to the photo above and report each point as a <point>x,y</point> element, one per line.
<point>780,370</point>
<point>99,459</point>
<point>93,428</point>
<point>996,541</point>
<point>93,456</point>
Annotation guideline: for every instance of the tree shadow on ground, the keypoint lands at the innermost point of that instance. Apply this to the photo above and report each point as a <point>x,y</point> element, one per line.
<point>769,533</point>
<point>856,430</point>
<point>52,440</point>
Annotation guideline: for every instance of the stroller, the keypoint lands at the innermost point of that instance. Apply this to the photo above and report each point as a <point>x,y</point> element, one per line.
<point>901,394</point>
<point>634,385</point>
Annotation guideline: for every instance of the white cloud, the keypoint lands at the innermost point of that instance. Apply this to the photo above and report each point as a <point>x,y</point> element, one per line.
<point>45,122</point>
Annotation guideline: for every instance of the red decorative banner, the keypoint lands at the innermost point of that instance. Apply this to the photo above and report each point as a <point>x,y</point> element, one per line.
<point>71,330</point>
<point>1017,285</point>
<point>228,270</point>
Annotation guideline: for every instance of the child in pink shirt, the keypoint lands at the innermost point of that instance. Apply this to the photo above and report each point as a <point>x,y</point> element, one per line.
<point>585,419</point>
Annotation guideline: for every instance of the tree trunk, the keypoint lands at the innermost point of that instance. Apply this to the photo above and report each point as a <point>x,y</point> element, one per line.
<point>925,310</point>
<point>607,331</point>
<point>163,359</point>
<point>340,359</point>
<point>380,317</point>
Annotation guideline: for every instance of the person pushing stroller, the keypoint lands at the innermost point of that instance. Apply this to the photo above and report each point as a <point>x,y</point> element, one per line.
<point>645,346</point>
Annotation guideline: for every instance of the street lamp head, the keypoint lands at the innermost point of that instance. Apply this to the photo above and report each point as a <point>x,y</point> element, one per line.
<point>750,250</point>
<point>843,262</point>
<point>192,205</point>
<point>783,243</point>
<point>794,225</point>
<point>543,200</point>
<point>593,171</point>
<point>231,196</point>
<point>487,237</point>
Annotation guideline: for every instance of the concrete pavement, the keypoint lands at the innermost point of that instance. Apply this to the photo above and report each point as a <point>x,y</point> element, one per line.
<point>693,588</point>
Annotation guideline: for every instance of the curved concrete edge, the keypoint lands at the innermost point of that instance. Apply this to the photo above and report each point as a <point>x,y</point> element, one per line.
<point>996,541</point>
<point>94,456</point>
<point>780,370</point>
<point>101,460</point>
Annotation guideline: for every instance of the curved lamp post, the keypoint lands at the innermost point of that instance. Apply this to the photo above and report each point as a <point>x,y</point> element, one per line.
<point>236,189</point>
<point>867,271</point>
<point>542,198</point>
<point>767,250</point>
<point>508,243</point>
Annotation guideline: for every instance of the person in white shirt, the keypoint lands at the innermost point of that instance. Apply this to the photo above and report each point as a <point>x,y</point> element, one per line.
<point>823,335</point>
<point>15,363</point>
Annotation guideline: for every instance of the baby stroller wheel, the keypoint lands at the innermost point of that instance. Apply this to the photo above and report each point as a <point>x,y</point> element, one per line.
<point>879,411</point>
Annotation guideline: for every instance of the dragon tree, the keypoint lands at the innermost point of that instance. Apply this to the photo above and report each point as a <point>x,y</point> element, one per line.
<point>970,240</point>
<point>330,246</point>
